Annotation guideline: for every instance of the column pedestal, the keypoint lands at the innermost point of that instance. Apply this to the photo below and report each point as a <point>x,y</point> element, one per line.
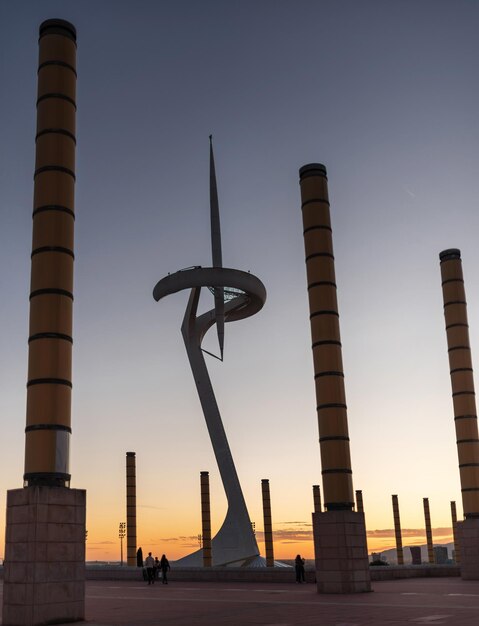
<point>44,569</point>
<point>468,532</point>
<point>341,552</point>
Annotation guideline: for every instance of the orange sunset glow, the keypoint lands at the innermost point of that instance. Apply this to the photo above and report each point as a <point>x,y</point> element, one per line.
<point>289,540</point>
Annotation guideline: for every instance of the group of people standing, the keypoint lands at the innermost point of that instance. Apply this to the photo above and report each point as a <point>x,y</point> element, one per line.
<point>153,567</point>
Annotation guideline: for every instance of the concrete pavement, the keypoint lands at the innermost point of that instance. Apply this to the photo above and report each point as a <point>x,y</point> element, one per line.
<point>445,601</point>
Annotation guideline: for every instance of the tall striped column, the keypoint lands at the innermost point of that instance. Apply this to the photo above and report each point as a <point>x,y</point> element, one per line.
<point>460,363</point>
<point>317,499</point>
<point>50,340</point>
<point>268,524</point>
<point>359,501</point>
<point>326,340</point>
<point>457,550</point>
<point>397,531</point>
<point>131,508</point>
<point>341,569</point>
<point>206,518</point>
<point>427,520</point>
<point>52,529</point>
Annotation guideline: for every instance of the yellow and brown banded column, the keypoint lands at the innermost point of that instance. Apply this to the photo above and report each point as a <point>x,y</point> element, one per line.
<point>326,340</point>
<point>268,524</point>
<point>50,341</point>
<point>131,508</point>
<point>457,550</point>
<point>317,499</point>
<point>460,363</point>
<point>397,531</point>
<point>206,518</point>
<point>427,520</point>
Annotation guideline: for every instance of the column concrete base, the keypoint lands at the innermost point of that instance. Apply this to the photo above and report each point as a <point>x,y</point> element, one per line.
<point>341,552</point>
<point>44,568</point>
<point>468,532</point>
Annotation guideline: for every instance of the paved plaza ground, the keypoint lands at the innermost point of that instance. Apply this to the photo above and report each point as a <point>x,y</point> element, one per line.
<point>449,601</point>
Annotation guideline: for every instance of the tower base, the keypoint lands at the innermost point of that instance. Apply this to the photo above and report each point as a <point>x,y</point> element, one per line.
<point>44,568</point>
<point>468,532</point>
<point>341,552</point>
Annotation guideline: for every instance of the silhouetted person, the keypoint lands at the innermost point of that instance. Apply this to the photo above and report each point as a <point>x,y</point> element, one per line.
<point>139,557</point>
<point>165,566</point>
<point>157,568</point>
<point>150,568</point>
<point>299,568</point>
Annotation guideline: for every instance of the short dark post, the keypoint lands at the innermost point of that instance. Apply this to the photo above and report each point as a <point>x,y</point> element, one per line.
<point>268,524</point>
<point>131,509</point>
<point>206,518</point>
<point>427,519</point>
<point>359,501</point>
<point>457,549</point>
<point>397,531</point>
<point>317,499</point>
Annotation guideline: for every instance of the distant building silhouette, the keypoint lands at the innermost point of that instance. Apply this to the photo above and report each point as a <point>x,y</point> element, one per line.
<point>440,555</point>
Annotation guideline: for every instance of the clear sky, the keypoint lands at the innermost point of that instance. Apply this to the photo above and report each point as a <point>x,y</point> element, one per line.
<point>385,93</point>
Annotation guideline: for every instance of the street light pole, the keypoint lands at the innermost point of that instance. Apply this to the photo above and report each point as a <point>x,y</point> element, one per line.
<point>121,535</point>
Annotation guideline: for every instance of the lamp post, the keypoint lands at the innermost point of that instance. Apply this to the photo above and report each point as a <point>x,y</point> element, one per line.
<point>121,536</point>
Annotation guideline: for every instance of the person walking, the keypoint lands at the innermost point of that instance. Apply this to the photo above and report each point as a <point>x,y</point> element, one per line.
<point>150,568</point>
<point>165,566</point>
<point>157,568</point>
<point>139,557</point>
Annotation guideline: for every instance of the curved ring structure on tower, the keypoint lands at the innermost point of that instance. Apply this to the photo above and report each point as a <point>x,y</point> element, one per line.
<point>235,284</point>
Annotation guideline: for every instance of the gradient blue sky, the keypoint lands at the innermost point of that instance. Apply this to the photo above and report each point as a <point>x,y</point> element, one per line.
<point>385,93</point>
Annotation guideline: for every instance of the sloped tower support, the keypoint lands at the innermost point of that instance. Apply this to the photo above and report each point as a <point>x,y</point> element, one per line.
<point>464,402</point>
<point>44,573</point>
<point>235,541</point>
<point>343,568</point>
